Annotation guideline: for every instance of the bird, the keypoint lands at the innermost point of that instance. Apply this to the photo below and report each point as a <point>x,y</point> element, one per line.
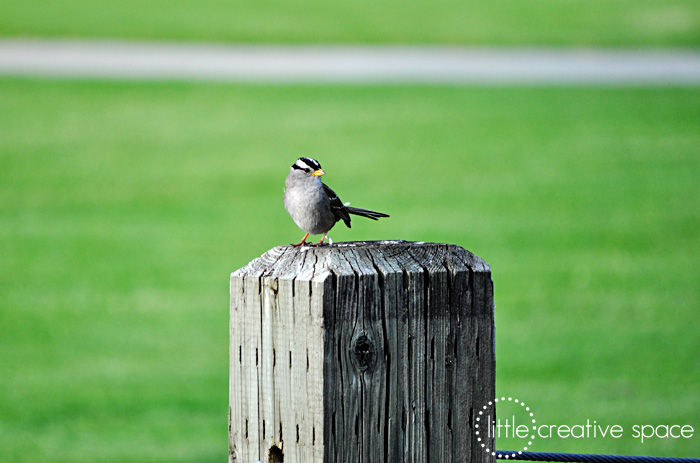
<point>314,207</point>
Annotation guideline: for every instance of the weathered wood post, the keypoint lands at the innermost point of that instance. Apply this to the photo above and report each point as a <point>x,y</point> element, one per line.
<point>361,352</point>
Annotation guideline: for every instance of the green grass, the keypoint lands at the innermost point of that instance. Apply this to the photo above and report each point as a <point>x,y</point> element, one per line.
<point>656,23</point>
<point>124,207</point>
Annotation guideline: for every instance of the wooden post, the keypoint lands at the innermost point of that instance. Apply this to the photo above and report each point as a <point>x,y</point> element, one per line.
<point>361,352</point>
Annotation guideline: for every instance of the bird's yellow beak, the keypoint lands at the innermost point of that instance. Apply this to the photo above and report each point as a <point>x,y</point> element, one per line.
<point>318,173</point>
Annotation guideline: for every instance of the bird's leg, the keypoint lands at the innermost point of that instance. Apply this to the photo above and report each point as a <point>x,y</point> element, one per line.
<point>324,237</point>
<point>303,241</point>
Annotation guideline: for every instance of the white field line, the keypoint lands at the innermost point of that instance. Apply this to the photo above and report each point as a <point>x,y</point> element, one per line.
<point>345,64</point>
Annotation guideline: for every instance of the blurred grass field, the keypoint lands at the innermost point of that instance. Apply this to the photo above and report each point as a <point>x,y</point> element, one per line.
<point>655,23</point>
<point>125,206</point>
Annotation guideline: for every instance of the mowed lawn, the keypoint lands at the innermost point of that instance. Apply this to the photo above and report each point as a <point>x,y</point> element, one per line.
<point>651,23</point>
<point>124,207</point>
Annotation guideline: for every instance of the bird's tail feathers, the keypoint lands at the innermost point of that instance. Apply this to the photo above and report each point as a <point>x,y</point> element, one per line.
<point>366,213</point>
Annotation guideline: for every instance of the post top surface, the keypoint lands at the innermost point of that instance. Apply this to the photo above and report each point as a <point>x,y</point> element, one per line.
<point>316,263</point>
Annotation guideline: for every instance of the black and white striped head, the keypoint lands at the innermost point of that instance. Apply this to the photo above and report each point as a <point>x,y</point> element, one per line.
<point>308,166</point>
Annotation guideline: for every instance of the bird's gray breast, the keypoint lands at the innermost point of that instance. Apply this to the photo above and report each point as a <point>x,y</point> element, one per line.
<point>309,207</point>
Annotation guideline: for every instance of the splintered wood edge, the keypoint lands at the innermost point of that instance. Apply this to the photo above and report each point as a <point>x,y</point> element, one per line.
<point>316,263</point>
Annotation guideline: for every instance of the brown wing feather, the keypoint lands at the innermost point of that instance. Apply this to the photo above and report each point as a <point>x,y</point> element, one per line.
<point>337,206</point>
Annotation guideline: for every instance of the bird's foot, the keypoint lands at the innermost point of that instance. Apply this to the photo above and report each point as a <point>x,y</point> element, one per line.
<point>320,243</point>
<point>303,241</point>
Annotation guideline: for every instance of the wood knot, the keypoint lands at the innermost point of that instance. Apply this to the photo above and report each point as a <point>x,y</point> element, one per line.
<point>275,454</point>
<point>363,353</point>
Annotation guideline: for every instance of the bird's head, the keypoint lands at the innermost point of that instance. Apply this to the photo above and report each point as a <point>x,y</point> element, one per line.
<point>307,167</point>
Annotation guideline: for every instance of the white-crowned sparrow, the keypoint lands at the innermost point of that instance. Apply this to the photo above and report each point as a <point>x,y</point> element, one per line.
<point>314,207</point>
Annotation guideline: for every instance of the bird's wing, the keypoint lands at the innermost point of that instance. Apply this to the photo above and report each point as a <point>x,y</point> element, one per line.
<point>337,206</point>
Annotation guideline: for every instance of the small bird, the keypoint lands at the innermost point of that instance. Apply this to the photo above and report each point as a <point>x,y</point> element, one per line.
<point>314,207</point>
